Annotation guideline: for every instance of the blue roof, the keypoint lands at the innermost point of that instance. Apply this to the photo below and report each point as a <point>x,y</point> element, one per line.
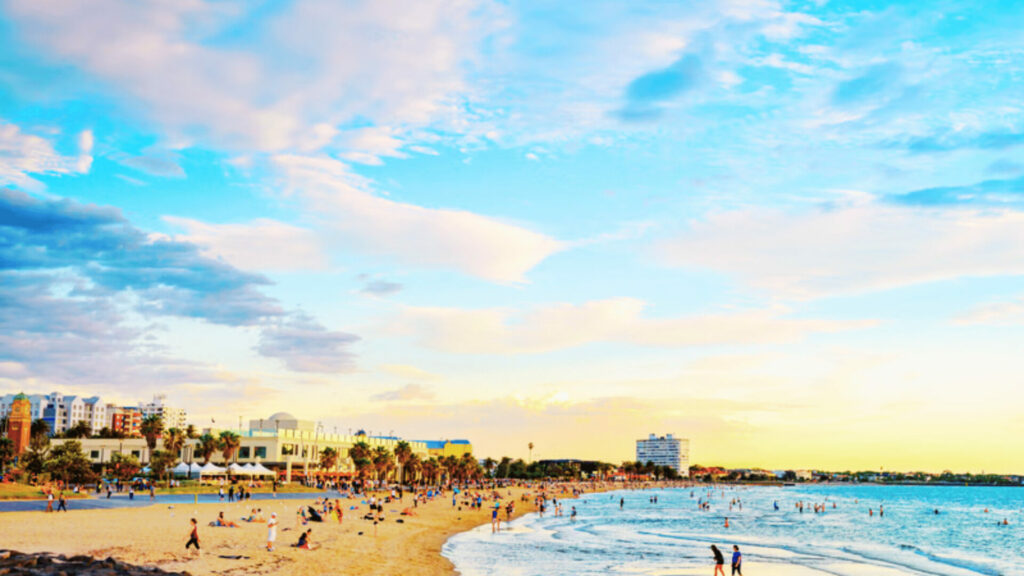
<point>439,444</point>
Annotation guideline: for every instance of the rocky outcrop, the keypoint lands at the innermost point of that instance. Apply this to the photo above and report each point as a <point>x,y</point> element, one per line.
<point>44,564</point>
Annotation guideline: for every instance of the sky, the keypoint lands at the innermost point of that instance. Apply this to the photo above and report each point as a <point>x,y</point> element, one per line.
<point>792,232</point>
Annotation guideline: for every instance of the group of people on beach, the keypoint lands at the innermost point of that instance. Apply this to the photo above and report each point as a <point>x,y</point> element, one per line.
<point>737,561</point>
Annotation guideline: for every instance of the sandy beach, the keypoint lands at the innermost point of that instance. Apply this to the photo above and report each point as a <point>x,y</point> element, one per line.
<point>156,536</point>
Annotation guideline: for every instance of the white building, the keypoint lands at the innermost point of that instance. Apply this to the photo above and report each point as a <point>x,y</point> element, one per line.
<point>38,402</point>
<point>665,451</point>
<point>172,417</point>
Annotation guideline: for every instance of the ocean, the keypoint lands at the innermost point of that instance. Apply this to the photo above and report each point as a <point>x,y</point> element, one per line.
<point>673,535</point>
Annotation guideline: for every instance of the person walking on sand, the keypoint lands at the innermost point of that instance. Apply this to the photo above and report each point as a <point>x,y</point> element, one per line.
<point>737,561</point>
<point>719,561</point>
<point>49,501</point>
<point>62,503</point>
<point>193,537</point>
<point>271,532</point>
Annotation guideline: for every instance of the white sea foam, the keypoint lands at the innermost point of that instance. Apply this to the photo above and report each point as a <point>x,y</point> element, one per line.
<point>673,536</point>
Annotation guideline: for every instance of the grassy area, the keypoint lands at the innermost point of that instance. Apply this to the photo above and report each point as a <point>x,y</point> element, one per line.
<point>265,489</point>
<point>16,491</point>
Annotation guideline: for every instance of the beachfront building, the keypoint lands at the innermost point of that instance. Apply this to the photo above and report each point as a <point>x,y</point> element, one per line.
<point>665,450</point>
<point>125,420</point>
<point>37,403</point>
<point>285,444</point>
<point>441,448</point>
<point>172,417</point>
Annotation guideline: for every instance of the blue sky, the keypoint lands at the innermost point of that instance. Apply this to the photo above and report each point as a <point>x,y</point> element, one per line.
<point>791,231</point>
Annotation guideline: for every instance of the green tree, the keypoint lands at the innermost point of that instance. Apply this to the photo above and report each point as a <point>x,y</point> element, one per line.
<point>39,427</point>
<point>152,429</point>
<point>207,447</point>
<point>329,458</point>
<point>190,432</point>
<point>67,462</point>
<point>124,466</point>
<point>79,430</point>
<point>383,462</point>
<point>403,451</point>
<point>502,471</point>
<point>161,462</point>
<point>412,466</point>
<point>229,443</point>
<point>6,453</point>
<point>34,459</point>
<point>360,453</point>
<point>489,465</point>
<point>174,440</point>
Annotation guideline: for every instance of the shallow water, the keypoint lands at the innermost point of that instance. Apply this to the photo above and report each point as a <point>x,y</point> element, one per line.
<point>673,535</point>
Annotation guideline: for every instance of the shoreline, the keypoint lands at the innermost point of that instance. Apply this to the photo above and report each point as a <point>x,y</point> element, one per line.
<point>155,534</point>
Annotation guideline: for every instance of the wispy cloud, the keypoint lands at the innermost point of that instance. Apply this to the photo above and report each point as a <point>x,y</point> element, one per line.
<point>424,237</point>
<point>849,247</point>
<point>558,326</point>
<point>23,155</point>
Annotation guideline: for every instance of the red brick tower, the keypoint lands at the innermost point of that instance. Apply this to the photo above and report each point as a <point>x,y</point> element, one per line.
<point>19,423</point>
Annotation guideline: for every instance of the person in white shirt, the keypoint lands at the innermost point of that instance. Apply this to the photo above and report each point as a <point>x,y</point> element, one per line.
<point>271,532</point>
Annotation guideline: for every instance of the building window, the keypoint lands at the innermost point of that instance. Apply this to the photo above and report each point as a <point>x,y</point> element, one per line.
<point>243,452</point>
<point>94,454</point>
<point>261,451</point>
<point>288,449</point>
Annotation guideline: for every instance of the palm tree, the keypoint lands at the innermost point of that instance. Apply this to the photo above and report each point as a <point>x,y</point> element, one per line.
<point>413,465</point>
<point>229,443</point>
<point>191,432</point>
<point>174,440</point>
<point>360,455</point>
<point>530,446</point>
<point>328,458</point>
<point>430,469</point>
<point>489,464</point>
<point>152,428</point>
<point>207,446</point>
<point>469,466</point>
<point>383,461</point>
<point>403,451</point>
<point>38,428</point>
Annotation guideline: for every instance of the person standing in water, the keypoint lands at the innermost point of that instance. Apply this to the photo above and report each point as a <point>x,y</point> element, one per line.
<point>737,561</point>
<point>622,502</point>
<point>719,561</point>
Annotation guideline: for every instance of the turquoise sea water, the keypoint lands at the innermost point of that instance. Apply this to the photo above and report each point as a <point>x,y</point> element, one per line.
<point>645,538</point>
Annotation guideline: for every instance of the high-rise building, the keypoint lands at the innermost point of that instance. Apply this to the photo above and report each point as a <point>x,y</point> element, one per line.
<point>172,417</point>
<point>665,451</point>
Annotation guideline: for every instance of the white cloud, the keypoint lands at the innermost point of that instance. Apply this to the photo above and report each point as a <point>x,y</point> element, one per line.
<point>1009,313</point>
<point>849,248</point>
<point>559,326</point>
<point>23,154</point>
<point>379,60</point>
<point>432,237</point>
<point>261,244</point>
